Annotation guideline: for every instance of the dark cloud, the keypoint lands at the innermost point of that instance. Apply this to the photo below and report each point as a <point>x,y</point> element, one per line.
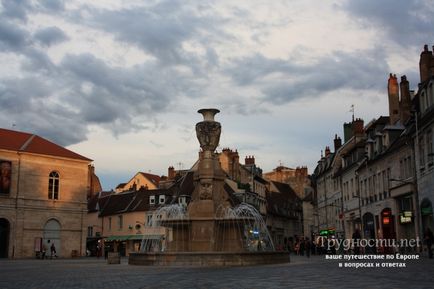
<point>37,61</point>
<point>26,103</point>
<point>15,9</point>
<point>162,29</point>
<point>282,81</point>
<point>405,22</point>
<point>52,5</point>
<point>12,37</point>
<point>50,35</point>
<point>62,100</point>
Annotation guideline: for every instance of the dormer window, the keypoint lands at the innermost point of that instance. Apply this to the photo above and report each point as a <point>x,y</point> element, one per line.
<point>152,200</point>
<point>182,201</point>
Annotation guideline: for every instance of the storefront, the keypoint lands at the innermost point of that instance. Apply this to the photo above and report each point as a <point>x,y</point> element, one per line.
<point>124,244</point>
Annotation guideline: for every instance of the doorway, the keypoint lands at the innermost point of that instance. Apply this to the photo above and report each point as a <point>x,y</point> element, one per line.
<point>4,237</point>
<point>52,237</point>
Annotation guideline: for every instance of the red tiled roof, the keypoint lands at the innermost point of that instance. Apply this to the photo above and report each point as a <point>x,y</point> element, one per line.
<point>26,142</point>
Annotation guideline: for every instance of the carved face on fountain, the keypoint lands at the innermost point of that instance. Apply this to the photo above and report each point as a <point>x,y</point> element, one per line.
<point>205,191</point>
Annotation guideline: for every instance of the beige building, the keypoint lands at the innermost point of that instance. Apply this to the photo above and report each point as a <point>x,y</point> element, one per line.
<point>284,214</point>
<point>43,197</point>
<point>118,222</point>
<point>140,180</point>
<point>298,179</point>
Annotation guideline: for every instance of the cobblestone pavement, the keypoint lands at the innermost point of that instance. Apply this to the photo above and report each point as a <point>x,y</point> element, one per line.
<point>316,272</point>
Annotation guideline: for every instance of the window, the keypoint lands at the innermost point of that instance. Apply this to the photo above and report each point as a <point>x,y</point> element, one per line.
<point>429,96</point>
<point>152,200</point>
<point>406,204</point>
<point>149,220</point>
<point>161,199</point>
<point>182,201</point>
<point>110,223</point>
<point>429,147</point>
<point>53,186</point>
<point>120,222</point>
<point>5,177</point>
<point>421,152</point>
<point>90,231</point>
<point>422,102</point>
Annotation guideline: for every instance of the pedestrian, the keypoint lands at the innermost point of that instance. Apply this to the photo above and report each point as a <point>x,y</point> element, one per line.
<point>302,243</point>
<point>307,247</point>
<point>428,237</point>
<point>44,250</point>
<point>53,251</point>
<point>356,241</point>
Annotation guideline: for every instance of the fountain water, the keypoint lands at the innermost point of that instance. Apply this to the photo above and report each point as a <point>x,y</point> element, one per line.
<point>211,230</point>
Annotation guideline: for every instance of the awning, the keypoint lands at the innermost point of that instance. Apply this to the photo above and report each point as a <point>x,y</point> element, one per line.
<point>116,238</point>
<point>152,237</point>
<point>132,237</point>
<point>135,237</point>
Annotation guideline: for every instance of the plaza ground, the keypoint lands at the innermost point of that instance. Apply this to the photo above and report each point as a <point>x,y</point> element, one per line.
<point>302,272</point>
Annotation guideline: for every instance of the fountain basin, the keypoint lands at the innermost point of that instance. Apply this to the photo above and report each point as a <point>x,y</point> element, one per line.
<point>208,258</point>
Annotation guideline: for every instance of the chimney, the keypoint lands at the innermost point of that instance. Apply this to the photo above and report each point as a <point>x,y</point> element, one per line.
<point>249,160</point>
<point>301,172</point>
<point>327,151</point>
<point>405,103</point>
<point>358,127</point>
<point>348,131</point>
<point>432,63</point>
<point>337,142</point>
<point>392,87</point>
<point>171,173</point>
<point>425,63</point>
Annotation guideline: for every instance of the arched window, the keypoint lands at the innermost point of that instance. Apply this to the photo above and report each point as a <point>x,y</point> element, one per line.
<point>53,186</point>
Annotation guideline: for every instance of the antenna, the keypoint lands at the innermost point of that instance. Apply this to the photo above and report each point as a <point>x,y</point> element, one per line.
<point>352,110</point>
<point>179,166</point>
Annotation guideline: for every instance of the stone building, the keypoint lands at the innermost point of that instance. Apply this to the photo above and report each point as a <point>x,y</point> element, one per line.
<point>140,180</point>
<point>423,136</point>
<point>386,177</point>
<point>230,162</point>
<point>299,180</point>
<point>284,214</point>
<point>328,197</point>
<point>43,196</point>
<point>117,222</point>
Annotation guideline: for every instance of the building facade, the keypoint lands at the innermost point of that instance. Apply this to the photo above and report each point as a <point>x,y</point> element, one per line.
<point>423,136</point>
<point>43,197</point>
<point>385,178</point>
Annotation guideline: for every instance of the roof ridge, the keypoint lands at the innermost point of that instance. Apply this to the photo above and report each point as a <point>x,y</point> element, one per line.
<point>26,144</point>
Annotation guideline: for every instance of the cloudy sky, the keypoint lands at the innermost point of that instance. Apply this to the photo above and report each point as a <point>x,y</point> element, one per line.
<point>121,83</point>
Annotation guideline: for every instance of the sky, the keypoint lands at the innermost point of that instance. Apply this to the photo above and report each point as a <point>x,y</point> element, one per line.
<point>120,82</point>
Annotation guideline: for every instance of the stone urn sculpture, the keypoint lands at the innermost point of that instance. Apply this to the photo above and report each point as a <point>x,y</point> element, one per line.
<point>208,131</point>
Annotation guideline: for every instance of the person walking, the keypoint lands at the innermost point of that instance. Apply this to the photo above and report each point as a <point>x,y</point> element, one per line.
<point>44,251</point>
<point>53,251</point>
<point>307,246</point>
<point>356,241</point>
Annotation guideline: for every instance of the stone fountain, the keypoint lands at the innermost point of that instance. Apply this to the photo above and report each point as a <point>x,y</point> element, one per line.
<point>211,231</point>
